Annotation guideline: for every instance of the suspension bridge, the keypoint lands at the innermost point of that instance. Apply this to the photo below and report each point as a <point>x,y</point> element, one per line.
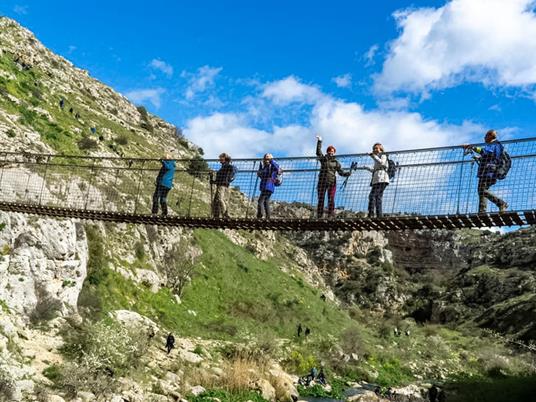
<point>434,188</point>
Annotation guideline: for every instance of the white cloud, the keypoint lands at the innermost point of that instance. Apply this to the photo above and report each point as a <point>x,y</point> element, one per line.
<point>348,126</point>
<point>290,90</point>
<point>201,80</point>
<point>370,54</point>
<point>162,66</point>
<point>20,9</point>
<point>353,129</point>
<point>71,49</point>
<point>231,133</point>
<point>152,95</point>
<point>487,41</point>
<point>343,81</point>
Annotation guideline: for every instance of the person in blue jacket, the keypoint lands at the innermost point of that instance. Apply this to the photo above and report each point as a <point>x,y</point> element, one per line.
<point>268,172</point>
<point>164,183</point>
<point>489,157</point>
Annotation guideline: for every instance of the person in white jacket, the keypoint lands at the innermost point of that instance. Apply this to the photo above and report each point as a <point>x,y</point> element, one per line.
<point>380,180</point>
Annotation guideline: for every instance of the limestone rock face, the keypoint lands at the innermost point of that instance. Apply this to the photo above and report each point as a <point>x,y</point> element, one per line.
<point>43,265</point>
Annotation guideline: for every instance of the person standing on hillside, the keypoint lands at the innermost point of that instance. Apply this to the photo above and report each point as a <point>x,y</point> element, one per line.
<point>170,343</point>
<point>327,179</point>
<point>164,183</point>
<point>224,176</point>
<point>268,173</point>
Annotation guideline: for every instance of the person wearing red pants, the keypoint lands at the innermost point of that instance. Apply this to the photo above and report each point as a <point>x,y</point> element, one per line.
<point>327,179</point>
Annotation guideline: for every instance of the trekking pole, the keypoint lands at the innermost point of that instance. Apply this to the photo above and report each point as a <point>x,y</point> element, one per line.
<point>252,189</point>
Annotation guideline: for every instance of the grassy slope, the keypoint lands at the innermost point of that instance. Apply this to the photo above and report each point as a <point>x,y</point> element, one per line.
<point>233,293</point>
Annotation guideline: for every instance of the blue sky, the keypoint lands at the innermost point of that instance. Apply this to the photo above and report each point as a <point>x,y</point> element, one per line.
<point>249,76</point>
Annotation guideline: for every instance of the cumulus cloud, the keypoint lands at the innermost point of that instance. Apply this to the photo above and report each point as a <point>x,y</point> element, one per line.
<point>487,41</point>
<point>343,81</point>
<point>152,95</point>
<point>201,80</point>
<point>347,125</point>
<point>290,90</point>
<point>20,9</point>
<point>232,133</point>
<point>162,66</point>
<point>354,129</point>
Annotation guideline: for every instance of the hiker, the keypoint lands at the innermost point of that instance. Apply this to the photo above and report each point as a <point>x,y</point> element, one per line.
<point>77,115</point>
<point>170,342</point>
<point>433,392</point>
<point>299,329</point>
<point>396,331</point>
<point>488,161</point>
<point>224,176</point>
<point>71,110</point>
<point>62,103</point>
<point>268,172</point>
<point>327,179</point>
<point>323,297</point>
<point>307,332</point>
<point>321,377</point>
<point>164,183</point>
<point>93,130</point>
<point>380,180</point>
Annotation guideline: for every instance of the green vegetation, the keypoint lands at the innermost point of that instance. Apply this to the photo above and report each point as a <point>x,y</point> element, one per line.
<point>225,396</point>
<point>232,293</point>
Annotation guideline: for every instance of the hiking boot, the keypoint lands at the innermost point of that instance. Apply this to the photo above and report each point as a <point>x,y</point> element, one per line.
<point>503,207</point>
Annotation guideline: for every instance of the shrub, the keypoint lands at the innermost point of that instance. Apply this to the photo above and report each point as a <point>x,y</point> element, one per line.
<point>352,341</point>
<point>143,112</point>
<point>139,250</point>
<point>7,385</point>
<point>100,352</point>
<point>197,167</point>
<point>11,133</point>
<point>86,144</point>
<point>122,140</point>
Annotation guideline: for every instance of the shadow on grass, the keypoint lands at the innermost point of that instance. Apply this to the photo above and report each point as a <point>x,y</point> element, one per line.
<point>506,389</point>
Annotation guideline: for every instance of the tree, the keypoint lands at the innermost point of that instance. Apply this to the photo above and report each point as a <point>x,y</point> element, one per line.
<point>179,266</point>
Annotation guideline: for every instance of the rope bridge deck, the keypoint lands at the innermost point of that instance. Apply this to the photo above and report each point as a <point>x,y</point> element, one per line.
<point>434,188</point>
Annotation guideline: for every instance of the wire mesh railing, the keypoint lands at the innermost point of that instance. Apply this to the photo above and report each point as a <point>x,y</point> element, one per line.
<point>427,182</point>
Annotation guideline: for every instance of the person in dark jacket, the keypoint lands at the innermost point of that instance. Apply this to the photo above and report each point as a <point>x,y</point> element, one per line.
<point>488,161</point>
<point>164,183</point>
<point>327,179</point>
<point>170,342</point>
<point>224,176</point>
<point>268,171</point>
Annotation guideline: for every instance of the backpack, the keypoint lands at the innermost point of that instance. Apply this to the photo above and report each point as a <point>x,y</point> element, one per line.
<point>503,166</point>
<point>233,173</point>
<point>392,167</point>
